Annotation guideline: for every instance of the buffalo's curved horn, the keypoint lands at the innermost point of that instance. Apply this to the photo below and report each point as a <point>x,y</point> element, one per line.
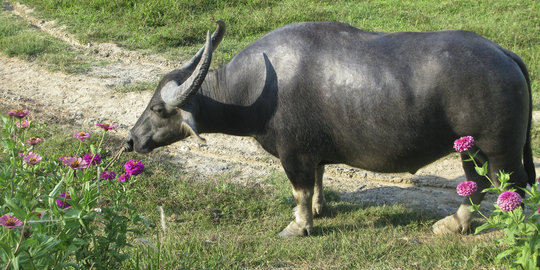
<point>177,95</point>
<point>217,36</point>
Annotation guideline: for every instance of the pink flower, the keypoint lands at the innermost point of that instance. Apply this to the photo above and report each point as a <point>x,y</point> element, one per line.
<point>466,188</point>
<point>108,175</point>
<point>539,209</point>
<point>10,222</point>
<point>134,167</point>
<point>32,158</point>
<point>18,113</point>
<point>74,162</point>
<point>95,159</point>
<point>464,143</point>
<point>106,126</point>
<point>508,201</point>
<point>33,140</point>
<point>23,124</point>
<point>61,203</point>
<point>81,135</point>
<point>123,178</point>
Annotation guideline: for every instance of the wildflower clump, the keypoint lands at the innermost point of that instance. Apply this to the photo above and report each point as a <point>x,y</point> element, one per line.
<point>123,178</point>
<point>521,240</point>
<point>23,124</point>
<point>509,200</point>
<point>32,158</point>
<point>34,140</point>
<point>106,126</point>
<point>134,167</point>
<point>81,135</point>
<point>10,222</point>
<point>75,163</point>
<point>464,143</point>
<point>62,204</point>
<point>108,175</point>
<point>92,159</point>
<point>18,113</point>
<point>466,188</point>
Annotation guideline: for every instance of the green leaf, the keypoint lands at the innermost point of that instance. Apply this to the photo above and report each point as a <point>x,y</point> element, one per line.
<point>486,226</point>
<point>54,192</point>
<point>5,248</point>
<point>503,254</point>
<point>15,263</point>
<point>491,190</point>
<point>17,211</point>
<point>482,171</point>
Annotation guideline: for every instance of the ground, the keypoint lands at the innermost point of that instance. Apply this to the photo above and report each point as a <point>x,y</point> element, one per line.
<point>84,99</point>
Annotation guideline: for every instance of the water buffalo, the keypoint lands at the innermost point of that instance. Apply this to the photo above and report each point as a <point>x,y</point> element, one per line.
<point>320,93</point>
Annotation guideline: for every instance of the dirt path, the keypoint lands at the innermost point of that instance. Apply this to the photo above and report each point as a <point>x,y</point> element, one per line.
<point>86,98</point>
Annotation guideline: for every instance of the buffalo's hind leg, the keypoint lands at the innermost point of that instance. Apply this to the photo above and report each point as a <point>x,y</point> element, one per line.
<point>318,197</point>
<point>460,221</point>
<point>302,177</point>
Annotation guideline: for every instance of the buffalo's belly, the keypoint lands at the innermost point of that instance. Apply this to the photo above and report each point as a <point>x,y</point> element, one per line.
<point>393,164</point>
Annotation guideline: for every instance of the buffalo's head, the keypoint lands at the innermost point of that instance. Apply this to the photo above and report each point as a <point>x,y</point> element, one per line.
<point>168,117</point>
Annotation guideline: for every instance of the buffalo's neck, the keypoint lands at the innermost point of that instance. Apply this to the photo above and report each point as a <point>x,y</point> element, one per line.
<point>228,111</point>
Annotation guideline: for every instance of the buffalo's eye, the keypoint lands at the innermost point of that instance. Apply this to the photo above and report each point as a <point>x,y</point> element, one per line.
<point>159,109</point>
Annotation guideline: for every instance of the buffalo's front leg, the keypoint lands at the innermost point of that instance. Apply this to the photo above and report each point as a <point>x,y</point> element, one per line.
<point>302,178</point>
<point>302,225</point>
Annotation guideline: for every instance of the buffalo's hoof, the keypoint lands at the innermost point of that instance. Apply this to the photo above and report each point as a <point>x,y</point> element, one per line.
<point>294,230</point>
<point>450,225</point>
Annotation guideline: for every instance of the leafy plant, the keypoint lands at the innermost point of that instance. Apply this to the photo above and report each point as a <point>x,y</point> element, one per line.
<point>521,238</point>
<point>54,213</point>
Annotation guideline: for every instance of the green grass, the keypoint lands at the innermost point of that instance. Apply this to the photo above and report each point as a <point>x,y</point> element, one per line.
<point>176,28</point>
<point>217,224</point>
<point>137,87</point>
<point>18,38</point>
<point>227,226</point>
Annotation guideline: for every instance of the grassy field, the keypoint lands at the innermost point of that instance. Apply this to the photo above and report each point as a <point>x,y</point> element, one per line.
<point>18,38</point>
<point>216,224</point>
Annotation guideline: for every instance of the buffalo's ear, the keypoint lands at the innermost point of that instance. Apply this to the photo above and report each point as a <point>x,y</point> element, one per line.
<point>189,124</point>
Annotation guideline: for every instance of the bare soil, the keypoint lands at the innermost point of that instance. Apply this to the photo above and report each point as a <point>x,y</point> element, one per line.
<point>84,99</point>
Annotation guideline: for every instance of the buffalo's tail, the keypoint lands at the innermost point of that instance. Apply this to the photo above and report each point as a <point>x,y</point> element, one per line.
<point>527,151</point>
